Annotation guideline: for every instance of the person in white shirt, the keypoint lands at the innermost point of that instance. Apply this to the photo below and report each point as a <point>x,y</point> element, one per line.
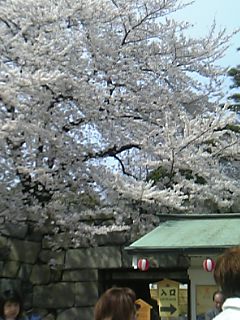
<point>227,277</point>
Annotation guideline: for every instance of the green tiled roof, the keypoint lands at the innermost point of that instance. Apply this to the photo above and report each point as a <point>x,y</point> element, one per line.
<point>203,233</point>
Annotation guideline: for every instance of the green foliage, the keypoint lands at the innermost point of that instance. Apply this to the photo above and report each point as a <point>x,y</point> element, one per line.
<point>158,174</point>
<point>89,200</point>
<point>161,173</point>
<point>188,174</point>
<point>232,127</point>
<point>234,73</point>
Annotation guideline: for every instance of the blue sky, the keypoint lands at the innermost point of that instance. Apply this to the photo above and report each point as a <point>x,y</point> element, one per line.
<point>227,15</point>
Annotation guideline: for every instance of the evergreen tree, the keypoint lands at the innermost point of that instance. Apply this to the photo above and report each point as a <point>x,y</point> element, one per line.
<point>234,73</point>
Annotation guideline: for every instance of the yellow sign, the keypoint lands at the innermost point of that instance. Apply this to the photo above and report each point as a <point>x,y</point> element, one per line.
<point>144,310</point>
<point>168,292</point>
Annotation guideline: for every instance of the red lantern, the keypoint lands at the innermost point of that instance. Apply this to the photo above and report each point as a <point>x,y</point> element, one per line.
<point>143,264</point>
<point>208,264</point>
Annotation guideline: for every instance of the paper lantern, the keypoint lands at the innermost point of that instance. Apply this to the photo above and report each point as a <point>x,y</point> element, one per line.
<point>143,264</point>
<point>208,264</point>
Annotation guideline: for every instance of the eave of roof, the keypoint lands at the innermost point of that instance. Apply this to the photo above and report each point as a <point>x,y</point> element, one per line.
<point>191,234</point>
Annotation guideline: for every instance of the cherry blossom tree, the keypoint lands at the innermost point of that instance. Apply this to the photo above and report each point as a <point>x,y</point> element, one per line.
<point>111,104</point>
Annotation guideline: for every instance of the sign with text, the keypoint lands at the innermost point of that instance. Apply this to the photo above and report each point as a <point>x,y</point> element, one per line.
<point>168,291</point>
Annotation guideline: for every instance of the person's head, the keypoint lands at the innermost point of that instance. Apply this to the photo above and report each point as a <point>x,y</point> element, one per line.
<point>218,299</point>
<point>116,304</point>
<point>11,305</point>
<point>227,272</point>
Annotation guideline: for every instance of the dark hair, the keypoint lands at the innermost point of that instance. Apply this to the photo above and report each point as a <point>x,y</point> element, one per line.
<point>217,292</point>
<point>11,295</point>
<point>116,304</point>
<point>227,272</point>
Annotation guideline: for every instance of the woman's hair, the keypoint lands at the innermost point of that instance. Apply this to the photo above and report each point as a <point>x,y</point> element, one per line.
<point>116,304</point>
<point>227,272</point>
<point>10,295</point>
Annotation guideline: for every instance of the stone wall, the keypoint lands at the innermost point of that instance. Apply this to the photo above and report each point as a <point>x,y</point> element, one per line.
<point>61,284</point>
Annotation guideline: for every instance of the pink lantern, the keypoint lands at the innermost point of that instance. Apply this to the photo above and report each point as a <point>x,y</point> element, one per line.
<point>143,264</point>
<point>208,264</point>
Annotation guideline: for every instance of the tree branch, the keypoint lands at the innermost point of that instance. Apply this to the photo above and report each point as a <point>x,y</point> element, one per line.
<point>112,151</point>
